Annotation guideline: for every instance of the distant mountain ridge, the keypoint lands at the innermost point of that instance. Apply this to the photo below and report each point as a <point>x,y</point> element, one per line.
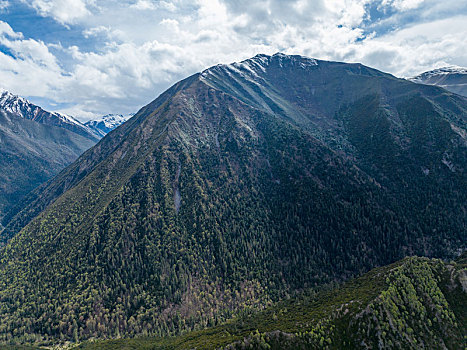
<point>21,107</point>
<point>32,152</point>
<point>92,129</point>
<point>452,78</point>
<point>103,125</point>
<point>34,146</point>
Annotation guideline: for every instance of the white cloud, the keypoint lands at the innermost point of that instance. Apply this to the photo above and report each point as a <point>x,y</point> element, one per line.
<point>6,30</point>
<point>30,69</point>
<point>144,5</point>
<point>419,47</point>
<point>147,45</point>
<point>403,5</point>
<point>26,49</point>
<point>168,5</point>
<point>4,4</point>
<point>347,12</point>
<point>105,31</point>
<point>153,5</point>
<point>94,31</point>
<point>63,11</point>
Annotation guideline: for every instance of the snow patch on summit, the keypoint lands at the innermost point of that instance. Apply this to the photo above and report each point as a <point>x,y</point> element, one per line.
<point>16,105</point>
<point>22,108</point>
<point>103,125</point>
<point>260,63</point>
<point>439,71</point>
<point>451,78</point>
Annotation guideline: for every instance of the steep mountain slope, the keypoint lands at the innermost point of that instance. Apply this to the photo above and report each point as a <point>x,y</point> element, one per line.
<point>413,304</point>
<point>453,79</point>
<point>34,146</point>
<point>103,125</point>
<point>234,188</point>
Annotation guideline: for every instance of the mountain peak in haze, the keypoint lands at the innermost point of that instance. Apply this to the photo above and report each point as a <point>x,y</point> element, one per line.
<point>452,78</point>
<point>34,146</point>
<point>103,125</point>
<point>443,70</point>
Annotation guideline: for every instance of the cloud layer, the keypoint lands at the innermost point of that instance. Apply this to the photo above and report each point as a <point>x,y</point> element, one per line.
<point>115,56</point>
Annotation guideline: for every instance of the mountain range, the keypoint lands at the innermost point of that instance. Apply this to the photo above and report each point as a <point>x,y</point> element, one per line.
<point>34,146</point>
<point>37,144</point>
<point>451,78</point>
<point>105,124</point>
<point>22,108</point>
<point>236,188</point>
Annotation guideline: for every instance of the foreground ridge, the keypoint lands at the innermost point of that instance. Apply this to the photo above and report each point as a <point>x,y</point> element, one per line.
<point>412,304</point>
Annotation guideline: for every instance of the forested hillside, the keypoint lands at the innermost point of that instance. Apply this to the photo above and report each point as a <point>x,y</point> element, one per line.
<point>235,189</point>
<point>412,304</point>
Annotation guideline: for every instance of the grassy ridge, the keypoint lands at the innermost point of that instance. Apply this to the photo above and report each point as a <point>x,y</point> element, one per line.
<point>341,317</point>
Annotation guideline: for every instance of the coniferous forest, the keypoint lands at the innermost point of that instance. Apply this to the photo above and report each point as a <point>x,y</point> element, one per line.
<point>229,211</point>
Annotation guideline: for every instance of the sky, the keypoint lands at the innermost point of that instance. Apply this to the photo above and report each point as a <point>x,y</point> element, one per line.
<point>88,58</point>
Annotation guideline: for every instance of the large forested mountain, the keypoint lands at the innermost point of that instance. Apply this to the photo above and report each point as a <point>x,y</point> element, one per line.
<point>236,187</point>
<point>34,146</point>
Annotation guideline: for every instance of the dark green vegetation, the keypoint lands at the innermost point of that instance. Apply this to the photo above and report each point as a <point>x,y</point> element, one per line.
<point>234,189</point>
<point>31,153</point>
<point>413,304</point>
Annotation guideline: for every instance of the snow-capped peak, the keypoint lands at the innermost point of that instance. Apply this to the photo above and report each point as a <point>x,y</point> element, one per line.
<point>252,67</point>
<point>103,125</point>
<point>449,69</point>
<point>440,72</point>
<point>452,78</point>
<point>111,120</point>
<point>67,118</point>
<point>23,108</point>
<point>14,104</point>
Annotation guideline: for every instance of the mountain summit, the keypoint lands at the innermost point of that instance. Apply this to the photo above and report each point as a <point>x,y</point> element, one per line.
<point>236,187</point>
<point>21,107</point>
<point>103,125</point>
<point>452,78</point>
